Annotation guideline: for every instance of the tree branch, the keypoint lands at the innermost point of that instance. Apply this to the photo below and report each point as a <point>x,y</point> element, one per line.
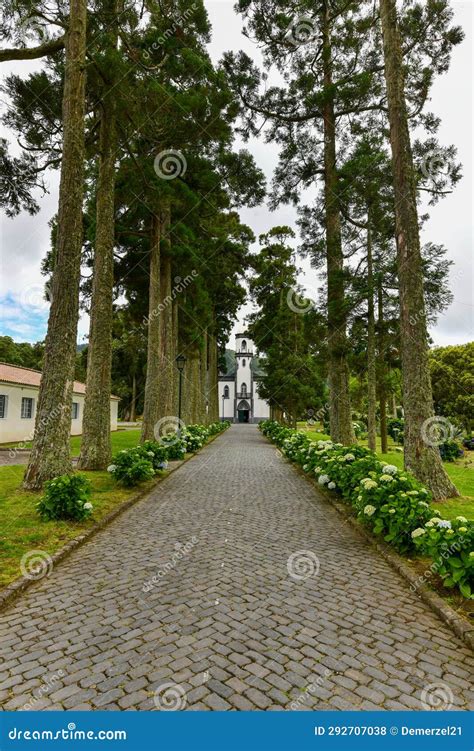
<point>25,53</point>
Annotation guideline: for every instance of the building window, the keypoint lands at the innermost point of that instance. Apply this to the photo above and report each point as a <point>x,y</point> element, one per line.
<point>243,389</point>
<point>226,392</point>
<point>244,346</point>
<point>3,406</point>
<point>243,363</point>
<point>27,407</point>
<point>75,411</point>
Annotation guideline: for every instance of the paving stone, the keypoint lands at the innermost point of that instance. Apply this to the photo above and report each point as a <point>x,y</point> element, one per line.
<point>217,702</point>
<point>240,636</point>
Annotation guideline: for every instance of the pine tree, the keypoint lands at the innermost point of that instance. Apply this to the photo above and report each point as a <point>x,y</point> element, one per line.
<point>421,456</point>
<point>50,453</point>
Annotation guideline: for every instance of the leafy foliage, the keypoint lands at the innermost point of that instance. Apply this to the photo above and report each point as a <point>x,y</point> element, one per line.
<point>66,497</point>
<point>390,501</point>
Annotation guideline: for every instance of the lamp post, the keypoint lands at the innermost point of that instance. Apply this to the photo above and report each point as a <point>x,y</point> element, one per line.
<point>180,363</point>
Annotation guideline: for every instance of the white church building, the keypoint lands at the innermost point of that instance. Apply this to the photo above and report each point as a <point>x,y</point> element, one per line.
<point>238,385</point>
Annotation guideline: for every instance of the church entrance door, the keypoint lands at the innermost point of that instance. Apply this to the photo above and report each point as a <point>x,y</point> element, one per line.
<point>243,411</point>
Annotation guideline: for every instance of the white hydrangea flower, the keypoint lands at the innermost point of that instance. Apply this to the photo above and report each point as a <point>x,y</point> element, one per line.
<point>412,492</point>
<point>429,524</point>
<point>369,510</point>
<point>349,457</point>
<point>463,529</point>
<point>418,532</point>
<point>391,511</point>
<point>461,519</point>
<point>323,479</point>
<point>444,524</point>
<point>424,504</point>
<point>111,468</point>
<point>331,485</point>
<point>88,506</point>
<point>368,484</point>
<point>386,478</point>
<point>389,469</point>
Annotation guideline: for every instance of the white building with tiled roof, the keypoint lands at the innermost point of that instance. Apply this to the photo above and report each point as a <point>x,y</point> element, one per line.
<point>19,388</point>
<point>239,400</point>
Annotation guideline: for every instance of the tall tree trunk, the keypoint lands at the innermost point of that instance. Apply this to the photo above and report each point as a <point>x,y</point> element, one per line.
<point>167,349</point>
<point>133,402</point>
<point>371,372</point>
<point>394,404</point>
<point>339,399</point>
<point>175,326</point>
<point>95,444</point>
<point>213,380</point>
<point>381,377</point>
<point>421,457</point>
<point>204,380</point>
<point>50,455</point>
<point>152,385</point>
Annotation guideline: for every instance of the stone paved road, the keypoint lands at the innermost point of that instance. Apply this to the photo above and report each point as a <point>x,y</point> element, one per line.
<point>224,623</point>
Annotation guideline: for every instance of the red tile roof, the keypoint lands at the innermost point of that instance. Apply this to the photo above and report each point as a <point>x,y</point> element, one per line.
<point>29,377</point>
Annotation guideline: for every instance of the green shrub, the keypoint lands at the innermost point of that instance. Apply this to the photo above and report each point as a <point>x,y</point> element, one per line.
<point>393,505</point>
<point>175,446</point>
<point>155,453</point>
<point>450,451</point>
<point>451,546</point>
<point>194,437</point>
<point>395,428</point>
<point>66,497</point>
<point>388,500</point>
<point>130,468</point>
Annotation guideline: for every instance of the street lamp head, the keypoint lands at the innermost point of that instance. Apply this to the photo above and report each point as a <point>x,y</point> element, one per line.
<point>180,362</point>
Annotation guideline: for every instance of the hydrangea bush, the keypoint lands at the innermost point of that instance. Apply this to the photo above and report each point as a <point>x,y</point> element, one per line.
<point>451,546</point>
<point>129,467</point>
<point>133,466</point>
<point>66,497</point>
<point>388,500</point>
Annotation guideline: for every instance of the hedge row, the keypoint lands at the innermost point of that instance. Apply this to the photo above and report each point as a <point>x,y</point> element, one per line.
<point>388,500</point>
<point>131,466</point>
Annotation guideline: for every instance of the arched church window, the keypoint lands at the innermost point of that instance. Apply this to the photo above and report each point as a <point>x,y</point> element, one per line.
<point>244,389</point>
<point>226,392</point>
<point>244,346</point>
<point>243,363</point>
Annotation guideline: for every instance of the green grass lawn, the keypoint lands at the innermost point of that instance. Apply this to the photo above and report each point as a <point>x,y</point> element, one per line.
<point>121,439</point>
<point>461,473</point>
<point>21,530</point>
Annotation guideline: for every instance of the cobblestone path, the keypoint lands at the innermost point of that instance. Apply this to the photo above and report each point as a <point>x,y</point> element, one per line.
<point>186,600</point>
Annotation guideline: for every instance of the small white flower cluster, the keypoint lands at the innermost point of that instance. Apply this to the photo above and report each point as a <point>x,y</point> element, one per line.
<point>369,510</point>
<point>368,484</point>
<point>389,469</point>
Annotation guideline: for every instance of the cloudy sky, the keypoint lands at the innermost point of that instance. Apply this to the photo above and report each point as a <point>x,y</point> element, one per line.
<point>25,239</point>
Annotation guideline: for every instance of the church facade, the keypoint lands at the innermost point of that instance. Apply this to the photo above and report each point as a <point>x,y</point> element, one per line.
<point>239,400</point>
